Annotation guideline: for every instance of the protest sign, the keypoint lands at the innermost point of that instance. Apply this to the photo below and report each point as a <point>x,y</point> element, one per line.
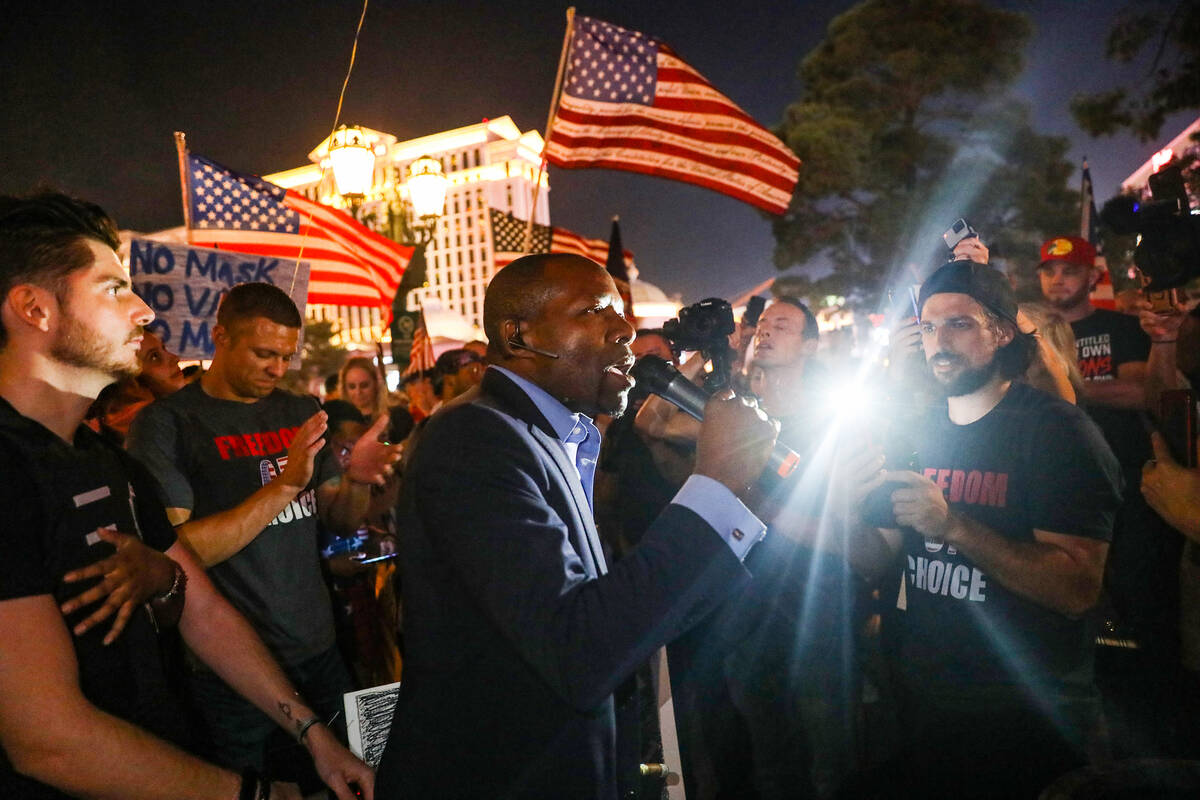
<point>184,285</point>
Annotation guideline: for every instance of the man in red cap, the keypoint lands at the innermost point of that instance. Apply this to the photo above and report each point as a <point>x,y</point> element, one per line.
<point>1111,347</point>
<point>1140,578</point>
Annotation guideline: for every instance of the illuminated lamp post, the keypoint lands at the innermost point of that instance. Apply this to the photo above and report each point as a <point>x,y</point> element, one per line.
<point>410,221</point>
<point>413,223</point>
<point>353,162</point>
<point>427,187</point>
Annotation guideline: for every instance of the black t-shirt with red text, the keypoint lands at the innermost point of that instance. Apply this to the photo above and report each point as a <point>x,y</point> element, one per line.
<point>209,455</point>
<point>1033,461</point>
<point>1104,340</point>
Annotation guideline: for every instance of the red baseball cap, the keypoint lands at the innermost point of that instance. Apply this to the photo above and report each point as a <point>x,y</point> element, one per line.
<point>1071,249</point>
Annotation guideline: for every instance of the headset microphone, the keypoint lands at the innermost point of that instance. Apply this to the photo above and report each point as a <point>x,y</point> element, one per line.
<point>522,346</point>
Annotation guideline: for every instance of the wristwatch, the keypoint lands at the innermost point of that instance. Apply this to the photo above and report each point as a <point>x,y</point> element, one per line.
<point>178,586</point>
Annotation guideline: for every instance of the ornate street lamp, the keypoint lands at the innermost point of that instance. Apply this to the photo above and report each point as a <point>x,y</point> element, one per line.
<point>414,223</point>
<point>411,220</point>
<point>427,187</point>
<point>353,161</point>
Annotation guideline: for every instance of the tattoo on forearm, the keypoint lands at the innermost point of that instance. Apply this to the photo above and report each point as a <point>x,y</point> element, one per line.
<point>286,709</point>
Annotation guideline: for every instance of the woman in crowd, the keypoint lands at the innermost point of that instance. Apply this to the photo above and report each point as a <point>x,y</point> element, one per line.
<point>1055,370</point>
<point>118,404</point>
<point>361,385</point>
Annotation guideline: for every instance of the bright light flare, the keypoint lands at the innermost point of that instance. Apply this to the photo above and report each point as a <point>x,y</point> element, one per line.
<point>848,399</point>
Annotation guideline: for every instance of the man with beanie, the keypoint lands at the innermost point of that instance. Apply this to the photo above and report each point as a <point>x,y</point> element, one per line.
<point>1003,534</point>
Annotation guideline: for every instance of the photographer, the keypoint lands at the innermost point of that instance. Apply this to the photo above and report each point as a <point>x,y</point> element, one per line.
<point>999,573</point>
<point>775,666</point>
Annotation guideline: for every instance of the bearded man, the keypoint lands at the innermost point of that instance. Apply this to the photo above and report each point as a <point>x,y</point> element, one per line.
<point>86,709</point>
<point>1003,536</point>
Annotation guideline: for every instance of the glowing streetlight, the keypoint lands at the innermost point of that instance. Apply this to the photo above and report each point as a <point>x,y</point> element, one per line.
<point>353,162</point>
<point>427,187</point>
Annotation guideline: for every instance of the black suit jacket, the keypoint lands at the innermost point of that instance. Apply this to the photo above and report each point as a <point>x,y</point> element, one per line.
<point>515,634</point>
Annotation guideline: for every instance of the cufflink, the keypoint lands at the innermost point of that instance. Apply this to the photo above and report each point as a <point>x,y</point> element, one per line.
<point>737,534</point>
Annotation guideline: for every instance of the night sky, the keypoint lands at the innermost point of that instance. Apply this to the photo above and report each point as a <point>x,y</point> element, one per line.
<point>90,93</point>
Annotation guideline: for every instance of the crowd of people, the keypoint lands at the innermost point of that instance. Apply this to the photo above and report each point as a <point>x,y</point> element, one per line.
<point>982,578</point>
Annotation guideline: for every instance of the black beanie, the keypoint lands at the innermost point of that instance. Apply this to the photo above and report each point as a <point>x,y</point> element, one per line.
<point>980,281</point>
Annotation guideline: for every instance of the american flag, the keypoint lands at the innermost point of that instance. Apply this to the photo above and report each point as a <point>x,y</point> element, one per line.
<point>630,103</point>
<point>420,358</point>
<point>351,265</point>
<point>508,241</point>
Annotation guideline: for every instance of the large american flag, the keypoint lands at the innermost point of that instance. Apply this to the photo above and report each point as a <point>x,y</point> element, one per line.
<point>630,103</point>
<point>508,241</point>
<point>351,265</point>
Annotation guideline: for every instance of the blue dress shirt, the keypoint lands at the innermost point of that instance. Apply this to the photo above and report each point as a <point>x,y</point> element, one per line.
<point>711,500</point>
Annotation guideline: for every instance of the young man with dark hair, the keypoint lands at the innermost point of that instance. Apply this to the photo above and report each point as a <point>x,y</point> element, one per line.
<point>1003,535</point>
<point>85,709</point>
<point>245,472</point>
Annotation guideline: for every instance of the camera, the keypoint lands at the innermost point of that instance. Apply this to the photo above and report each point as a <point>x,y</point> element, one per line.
<point>701,325</point>
<point>1168,254</point>
<point>961,229</point>
<point>706,326</point>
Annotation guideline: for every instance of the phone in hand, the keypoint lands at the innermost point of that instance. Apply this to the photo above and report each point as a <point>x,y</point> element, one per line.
<point>1178,424</point>
<point>961,229</point>
<point>1162,302</point>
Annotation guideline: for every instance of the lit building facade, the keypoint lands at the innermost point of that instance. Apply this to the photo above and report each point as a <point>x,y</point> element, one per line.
<point>491,164</point>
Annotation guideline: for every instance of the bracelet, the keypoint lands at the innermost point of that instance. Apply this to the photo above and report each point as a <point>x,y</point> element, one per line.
<point>304,726</point>
<point>178,585</point>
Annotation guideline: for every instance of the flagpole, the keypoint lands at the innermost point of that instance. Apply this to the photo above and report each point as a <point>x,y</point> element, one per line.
<point>554,98</point>
<point>1084,201</point>
<point>181,148</point>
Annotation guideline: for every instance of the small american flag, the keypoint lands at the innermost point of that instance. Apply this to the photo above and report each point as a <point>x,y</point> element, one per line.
<point>420,358</point>
<point>508,241</point>
<point>351,265</point>
<point>630,103</point>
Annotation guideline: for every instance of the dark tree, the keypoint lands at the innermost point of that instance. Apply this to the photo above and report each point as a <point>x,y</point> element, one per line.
<point>1165,38</point>
<point>904,126</point>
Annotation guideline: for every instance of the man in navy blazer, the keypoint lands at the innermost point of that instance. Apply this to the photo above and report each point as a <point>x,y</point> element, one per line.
<point>516,631</point>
